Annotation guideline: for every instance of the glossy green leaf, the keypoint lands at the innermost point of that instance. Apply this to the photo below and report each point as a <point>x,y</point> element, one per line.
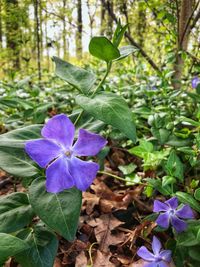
<point>59,211</point>
<point>81,79</point>
<point>10,246</point>
<point>190,237</point>
<point>15,212</point>
<point>119,33</point>
<point>13,158</point>
<point>188,199</point>
<point>125,51</point>
<point>43,247</point>
<point>111,109</point>
<point>174,167</point>
<point>197,194</point>
<point>103,49</point>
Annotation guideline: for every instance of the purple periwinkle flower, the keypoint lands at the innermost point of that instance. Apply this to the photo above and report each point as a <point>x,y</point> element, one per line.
<point>159,257</point>
<point>57,153</point>
<point>170,213</point>
<point>195,82</point>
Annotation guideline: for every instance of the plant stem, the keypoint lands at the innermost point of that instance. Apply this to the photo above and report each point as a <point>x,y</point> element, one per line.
<point>109,65</point>
<point>78,118</point>
<point>117,177</point>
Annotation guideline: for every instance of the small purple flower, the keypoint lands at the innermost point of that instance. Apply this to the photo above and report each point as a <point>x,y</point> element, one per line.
<point>159,257</point>
<point>170,214</point>
<point>57,153</point>
<point>195,82</point>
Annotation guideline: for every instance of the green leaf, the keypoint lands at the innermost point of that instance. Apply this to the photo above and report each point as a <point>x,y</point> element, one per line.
<point>127,169</point>
<point>43,247</point>
<point>197,194</point>
<point>190,237</point>
<point>15,212</point>
<point>188,199</point>
<point>125,51</point>
<point>103,49</point>
<point>10,246</point>
<point>119,33</point>
<point>81,79</point>
<point>157,184</point>
<point>13,158</point>
<point>174,167</point>
<point>145,147</point>
<point>111,109</point>
<point>59,211</point>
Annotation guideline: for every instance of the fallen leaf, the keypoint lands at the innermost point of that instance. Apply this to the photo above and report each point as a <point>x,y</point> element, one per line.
<point>89,202</point>
<point>81,260</point>
<point>102,229</point>
<point>102,260</point>
<point>142,263</point>
<point>109,200</point>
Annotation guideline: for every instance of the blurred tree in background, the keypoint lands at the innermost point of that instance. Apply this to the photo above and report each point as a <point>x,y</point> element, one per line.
<point>165,32</point>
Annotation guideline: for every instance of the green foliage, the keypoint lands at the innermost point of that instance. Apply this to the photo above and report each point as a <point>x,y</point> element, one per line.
<point>59,211</point>
<point>10,246</point>
<point>103,49</point>
<point>15,212</point>
<point>81,79</point>
<point>43,247</point>
<point>111,109</point>
<point>13,158</point>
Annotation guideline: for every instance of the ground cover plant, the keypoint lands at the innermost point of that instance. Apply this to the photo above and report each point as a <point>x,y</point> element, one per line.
<point>98,170</point>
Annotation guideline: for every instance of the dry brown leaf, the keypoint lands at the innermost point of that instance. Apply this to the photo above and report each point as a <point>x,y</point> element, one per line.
<point>102,260</point>
<point>110,200</point>
<point>89,201</point>
<point>81,260</point>
<point>57,263</point>
<point>103,227</point>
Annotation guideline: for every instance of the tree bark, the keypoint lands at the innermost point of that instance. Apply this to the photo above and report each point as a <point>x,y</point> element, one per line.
<point>109,31</point>
<point>1,30</point>
<point>64,33</point>
<point>37,34</point>
<point>13,32</point>
<point>182,40</point>
<point>102,23</point>
<point>79,30</point>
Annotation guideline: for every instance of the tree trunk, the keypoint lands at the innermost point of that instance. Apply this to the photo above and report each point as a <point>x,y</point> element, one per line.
<point>79,30</point>
<point>37,34</point>
<point>141,26</point>
<point>102,23</point>
<point>109,30</point>
<point>64,34</point>
<point>1,30</point>
<point>13,32</point>
<point>182,40</point>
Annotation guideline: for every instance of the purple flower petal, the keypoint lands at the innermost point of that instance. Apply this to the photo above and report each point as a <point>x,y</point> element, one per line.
<point>160,206</point>
<point>185,212</point>
<point>60,129</point>
<point>42,151</point>
<point>58,177</point>
<point>166,255</point>
<point>145,254</point>
<point>83,172</point>
<point>195,82</point>
<point>163,220</point>
<point>172,202</point>
<point>178,224</point>
<point>88,144</point>
<point>156,245</point>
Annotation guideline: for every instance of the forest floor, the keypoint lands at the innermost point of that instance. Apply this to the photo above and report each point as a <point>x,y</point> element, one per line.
<point>111,228</point>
